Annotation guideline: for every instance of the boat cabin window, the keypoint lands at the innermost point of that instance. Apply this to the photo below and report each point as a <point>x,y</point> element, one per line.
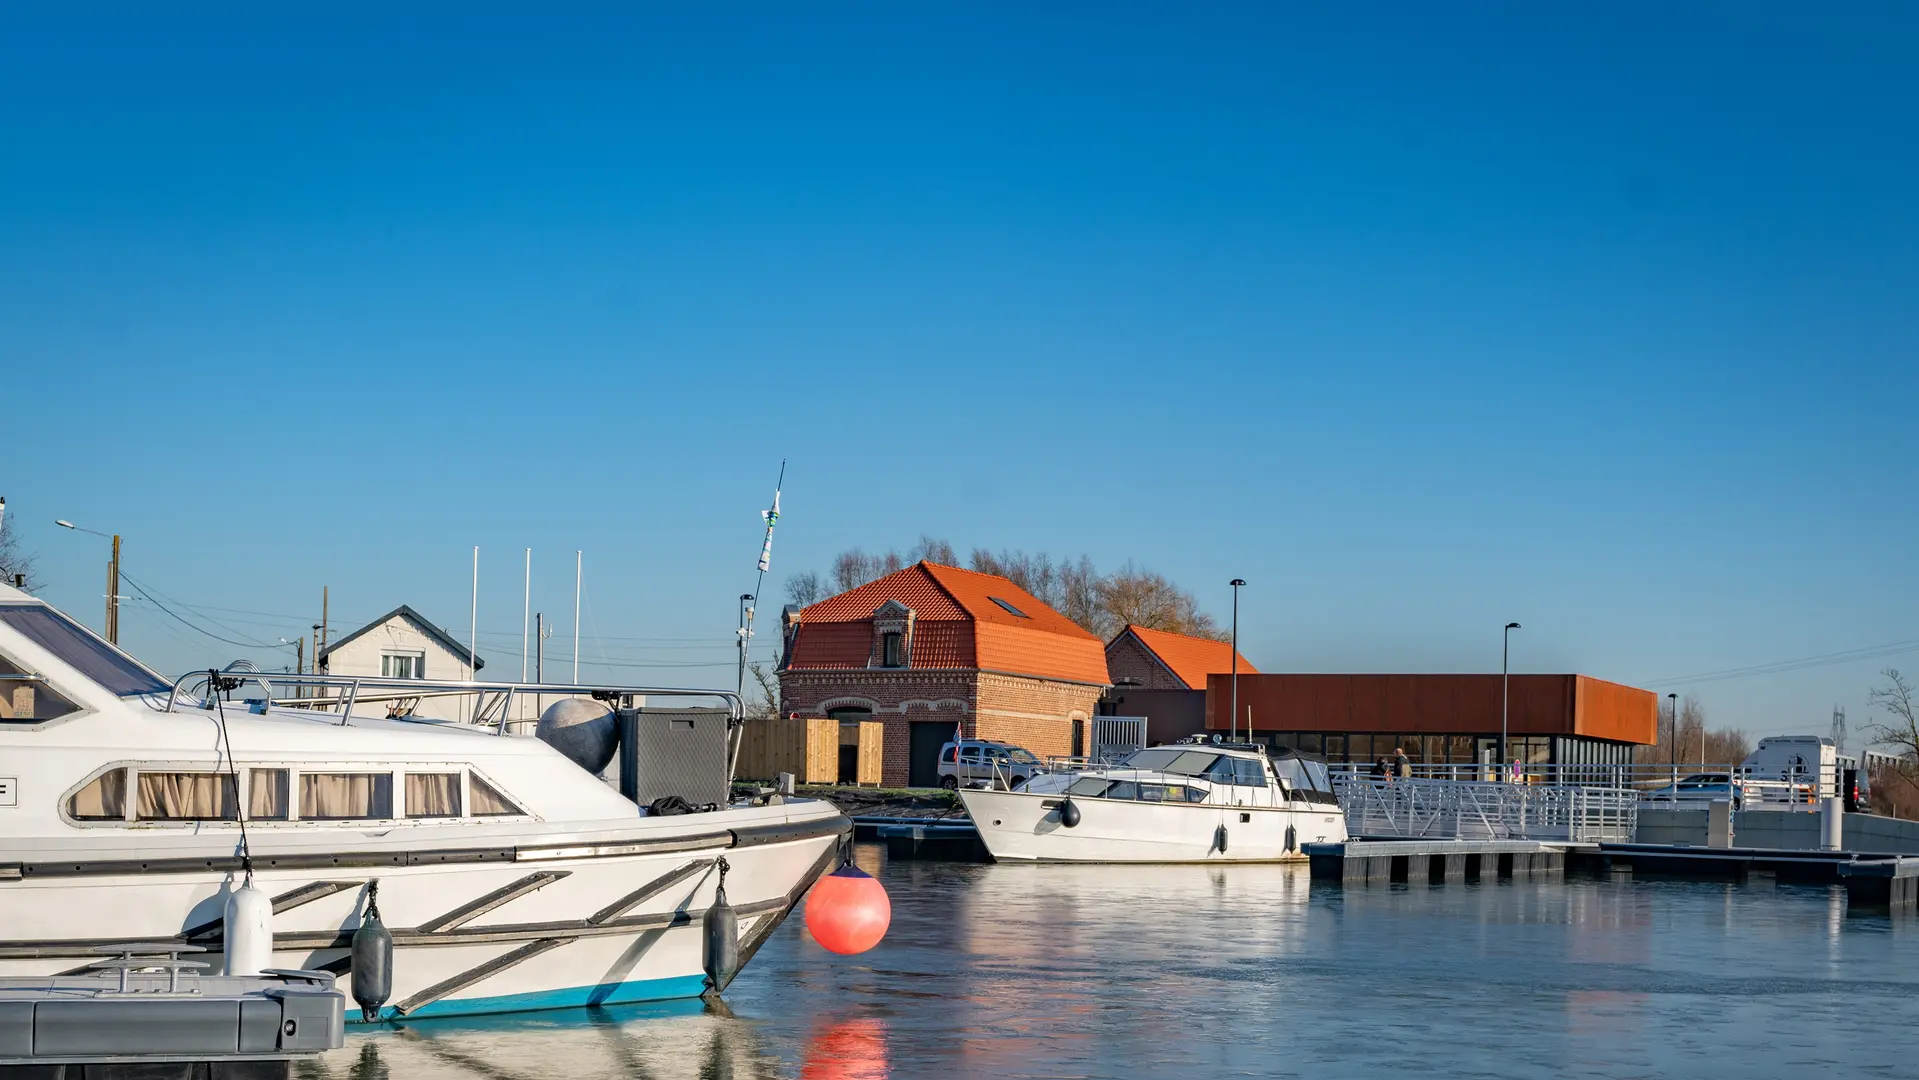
<point>1248,773</point>
<point>267,795</point>
<point>186,796</point>
<point>1090,787</point>
<point>487,800</point>
<point>85,653</point>
<point>433,794</point>
<point>25,698</point>
<point>103,799</point>
<point>1172,759</point>
<point>1147,791</point>
<point>346,796</point>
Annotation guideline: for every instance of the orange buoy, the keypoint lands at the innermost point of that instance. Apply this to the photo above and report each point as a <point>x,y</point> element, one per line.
<point>848,911</point>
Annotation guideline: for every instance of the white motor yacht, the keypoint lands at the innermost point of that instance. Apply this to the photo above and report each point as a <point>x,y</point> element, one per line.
<point>509,877</point>
<point>1185,802</point>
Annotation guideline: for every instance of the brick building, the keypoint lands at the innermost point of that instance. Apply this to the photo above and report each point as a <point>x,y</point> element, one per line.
<point>1162,676</point>
<point>932,647</point>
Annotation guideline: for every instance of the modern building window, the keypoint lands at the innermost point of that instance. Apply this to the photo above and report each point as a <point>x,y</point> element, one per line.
<point>890,650</point>
<point>403,665</point>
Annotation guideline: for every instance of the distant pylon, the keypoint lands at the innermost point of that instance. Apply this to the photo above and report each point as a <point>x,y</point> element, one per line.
<point>1838,730</point>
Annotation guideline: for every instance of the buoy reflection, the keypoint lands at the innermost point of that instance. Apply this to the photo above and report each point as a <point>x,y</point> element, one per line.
<point>847,1050</point>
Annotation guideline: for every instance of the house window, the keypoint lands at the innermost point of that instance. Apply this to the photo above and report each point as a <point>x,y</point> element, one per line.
<point>403,665</point>
<point>890,650</point>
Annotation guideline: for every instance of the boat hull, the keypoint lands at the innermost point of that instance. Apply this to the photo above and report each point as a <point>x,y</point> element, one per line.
<point>1020,827</point>
<point>484,931</point>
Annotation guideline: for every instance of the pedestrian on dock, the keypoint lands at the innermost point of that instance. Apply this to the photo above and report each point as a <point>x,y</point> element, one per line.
<point>1379,769</point>
<point>1402,764</point>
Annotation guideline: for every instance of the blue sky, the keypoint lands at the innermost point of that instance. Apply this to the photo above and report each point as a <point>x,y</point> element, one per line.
<point>1422,318</point>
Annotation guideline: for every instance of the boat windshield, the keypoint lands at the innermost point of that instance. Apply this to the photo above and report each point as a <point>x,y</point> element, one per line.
<point>87,654</point>
<point>1303,775</point>
<point>1172,759</point>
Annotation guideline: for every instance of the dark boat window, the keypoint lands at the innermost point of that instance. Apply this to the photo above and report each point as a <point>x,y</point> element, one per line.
<point>1090,787</point>
<point>1248,773</point>
<point>74,645</point>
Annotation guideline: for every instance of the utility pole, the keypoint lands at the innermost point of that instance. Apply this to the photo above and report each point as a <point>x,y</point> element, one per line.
<point>539,646</point>
<point>113,594</point>
<point>526,614</point>
<point>1505,682</point>
<point>319,643</point>
<point>577,565</point>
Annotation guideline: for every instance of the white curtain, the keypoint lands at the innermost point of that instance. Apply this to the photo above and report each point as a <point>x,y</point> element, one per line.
<point>186,797</point>
<point>267,795</point>
<point>103,800</point>
<point>346,796</point>
<point>487,800</point>
<point>433,795</point>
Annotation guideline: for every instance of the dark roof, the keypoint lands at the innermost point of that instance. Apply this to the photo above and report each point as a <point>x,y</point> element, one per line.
<point>452,645</point>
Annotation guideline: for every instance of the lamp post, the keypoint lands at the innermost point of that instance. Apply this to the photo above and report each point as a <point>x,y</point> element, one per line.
<point>113,579</point>
<point>1673,726</point>
<point>1505,682</point>
<point>1234,727</point>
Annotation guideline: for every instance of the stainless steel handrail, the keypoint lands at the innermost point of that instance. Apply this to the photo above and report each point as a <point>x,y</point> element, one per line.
<point>351,685</point>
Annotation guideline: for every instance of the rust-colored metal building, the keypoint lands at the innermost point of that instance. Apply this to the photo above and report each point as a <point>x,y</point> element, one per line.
<point>1561,719</point>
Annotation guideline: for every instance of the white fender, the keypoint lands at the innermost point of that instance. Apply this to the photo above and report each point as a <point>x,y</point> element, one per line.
<point>248,931</point>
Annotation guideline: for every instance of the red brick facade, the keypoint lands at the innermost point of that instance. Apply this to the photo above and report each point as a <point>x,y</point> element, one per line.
<point>969,649</point>
<point>1037,714</point>
<point>1132,664</point>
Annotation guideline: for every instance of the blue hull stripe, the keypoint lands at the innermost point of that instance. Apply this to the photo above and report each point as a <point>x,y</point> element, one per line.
<point>572,997</point>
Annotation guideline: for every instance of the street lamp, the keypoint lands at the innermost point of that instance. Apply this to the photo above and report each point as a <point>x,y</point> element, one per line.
<point>1234,727</point>
<point>1505,681</point>
<point>113,579</point>
<point>1674,728</point>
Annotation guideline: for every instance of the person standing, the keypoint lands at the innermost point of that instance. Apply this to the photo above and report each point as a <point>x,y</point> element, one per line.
<point>1402,764</point>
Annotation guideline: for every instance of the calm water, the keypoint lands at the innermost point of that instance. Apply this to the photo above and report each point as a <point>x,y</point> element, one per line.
<point>1108,971</point>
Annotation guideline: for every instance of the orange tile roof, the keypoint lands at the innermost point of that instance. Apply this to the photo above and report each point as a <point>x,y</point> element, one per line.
<point>1190,659</point>
<point>956,624</point>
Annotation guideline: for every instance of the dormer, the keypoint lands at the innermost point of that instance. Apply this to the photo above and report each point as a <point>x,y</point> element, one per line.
<point>892,636</point>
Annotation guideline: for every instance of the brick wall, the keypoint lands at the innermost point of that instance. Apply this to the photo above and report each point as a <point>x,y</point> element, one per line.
<point>1037,714</point>
<point>1133,664</point>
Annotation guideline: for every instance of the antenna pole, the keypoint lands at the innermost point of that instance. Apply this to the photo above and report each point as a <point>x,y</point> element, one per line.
<point>526,615</point>
<point>578,564</point>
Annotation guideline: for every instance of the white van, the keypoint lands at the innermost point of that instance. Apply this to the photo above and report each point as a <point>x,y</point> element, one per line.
<point>983,761</point>
<point>1805,765</point>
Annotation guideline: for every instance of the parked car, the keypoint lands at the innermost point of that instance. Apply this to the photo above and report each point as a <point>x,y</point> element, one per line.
<point>1702,788</point>
<point>976,762</point>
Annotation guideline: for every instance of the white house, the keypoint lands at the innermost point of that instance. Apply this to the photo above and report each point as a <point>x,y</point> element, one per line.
<point>402,644</point>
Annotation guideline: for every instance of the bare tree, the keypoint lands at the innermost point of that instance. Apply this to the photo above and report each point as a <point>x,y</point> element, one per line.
<point>14,561</point>
<point>765,705</point>
<point>1144,598</point>
<point>933,550</point>
<point>805,588</point>
<point>1697,743</point>
<point>1901,730</point>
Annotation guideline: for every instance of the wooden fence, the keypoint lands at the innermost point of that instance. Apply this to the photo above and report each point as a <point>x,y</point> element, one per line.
<point>809,748</point>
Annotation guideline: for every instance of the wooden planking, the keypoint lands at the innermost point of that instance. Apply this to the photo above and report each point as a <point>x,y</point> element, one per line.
<point>870,752</point>
<point>809,748</point>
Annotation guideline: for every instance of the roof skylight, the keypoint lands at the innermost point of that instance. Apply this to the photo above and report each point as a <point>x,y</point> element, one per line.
<point>1009,607</point>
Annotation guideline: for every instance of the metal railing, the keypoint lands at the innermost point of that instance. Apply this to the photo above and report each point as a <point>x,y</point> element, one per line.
<point>1686,785</point>
<point>1485,810</point>
<point>346,691</point>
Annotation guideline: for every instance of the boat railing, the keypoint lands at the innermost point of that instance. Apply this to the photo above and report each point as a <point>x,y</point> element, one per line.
<point>326,693</point>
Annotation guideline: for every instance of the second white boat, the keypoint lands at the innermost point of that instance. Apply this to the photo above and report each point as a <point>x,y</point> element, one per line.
<point>1188,802</point>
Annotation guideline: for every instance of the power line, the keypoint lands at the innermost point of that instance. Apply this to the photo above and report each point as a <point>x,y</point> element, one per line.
<point>141,589</point>
<point>1867,652</point>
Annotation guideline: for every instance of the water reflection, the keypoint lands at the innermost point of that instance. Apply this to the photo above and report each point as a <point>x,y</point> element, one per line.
<point>1112,971</point>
